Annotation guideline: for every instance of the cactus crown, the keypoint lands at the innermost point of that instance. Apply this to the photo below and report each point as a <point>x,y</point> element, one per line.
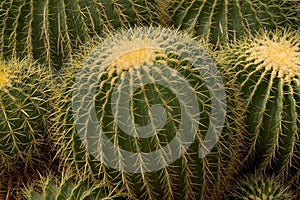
<point>279,52</point>
<point>132,53</point>
<point>3,79</point>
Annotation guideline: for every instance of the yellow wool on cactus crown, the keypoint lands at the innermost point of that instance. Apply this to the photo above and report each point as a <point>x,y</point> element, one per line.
<point>132,53</point>
<point>278,52</point>
<point>4,77</point>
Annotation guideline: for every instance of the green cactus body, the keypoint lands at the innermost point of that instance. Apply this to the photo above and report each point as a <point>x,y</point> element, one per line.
<point>50,31</point>
<point>24,104</point>
<point>260,187</point>
<point>268,68</point>
<point>220,21</point>
<point>147,71</point>
<point>52,188</point>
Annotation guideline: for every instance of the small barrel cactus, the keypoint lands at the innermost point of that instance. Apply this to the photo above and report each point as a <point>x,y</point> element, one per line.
<point>260,187</point>
<point>67,187</point>
<point>144,108</point>
<point>50,31</point>
<point>220,21</point>
<point>24,97</point>
<point>267,67</point>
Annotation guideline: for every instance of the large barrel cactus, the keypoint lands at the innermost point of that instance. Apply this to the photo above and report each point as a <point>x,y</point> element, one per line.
<point>220,21</point>
<point>144,108</point>
<point>260,187</point>
<point>24,96</point>
<point>267,66</point>
<point>50,31</point>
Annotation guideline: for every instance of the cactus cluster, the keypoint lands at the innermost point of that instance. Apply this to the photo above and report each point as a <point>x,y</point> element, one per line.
<point>50,31</point>
<point>220,21</point>
<point>142,103</point>
<point>104,99</point>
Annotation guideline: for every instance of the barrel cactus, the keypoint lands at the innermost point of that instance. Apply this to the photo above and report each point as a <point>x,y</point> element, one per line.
<point>50,31</point>
<point>220,21</point>
<point>67,187</point>
<point>260,187</point>
<point>144,108</point>
<point>24,96</point>
<point>267,67</point>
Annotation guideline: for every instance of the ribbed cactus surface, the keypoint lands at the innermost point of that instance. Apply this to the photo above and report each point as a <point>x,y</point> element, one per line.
<point>144,108</point>
<point>50,31</point>
<point>260,187</point>
<point>268,68</point>
<point>221,21</point>
<point>66,187</point>
<point>24,96</point>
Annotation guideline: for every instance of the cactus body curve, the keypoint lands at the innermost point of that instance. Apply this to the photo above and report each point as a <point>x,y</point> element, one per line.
<point>268,68</point>
<point>24,95</point>
<point>151,130</point>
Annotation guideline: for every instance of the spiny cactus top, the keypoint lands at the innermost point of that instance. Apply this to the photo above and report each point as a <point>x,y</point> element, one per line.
<point>278,53</point>
<point>268,68</point>
<point>220,21</point>
<point>67,187</point>
<point>24,97</point>
<point>50,31</point>
<point>135,109</point>
<point>260,187</point>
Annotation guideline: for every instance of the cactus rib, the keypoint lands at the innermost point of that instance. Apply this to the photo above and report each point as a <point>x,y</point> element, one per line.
<point>220,21</point>
<point>51,31</point>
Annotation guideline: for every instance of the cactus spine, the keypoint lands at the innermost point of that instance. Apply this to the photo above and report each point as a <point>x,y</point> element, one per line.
<point>139,108</point>
<point>220,21</point>
<point>267,66</point>
<point>260,187</point>
<point>24,98</point>
<point>50,31</point>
